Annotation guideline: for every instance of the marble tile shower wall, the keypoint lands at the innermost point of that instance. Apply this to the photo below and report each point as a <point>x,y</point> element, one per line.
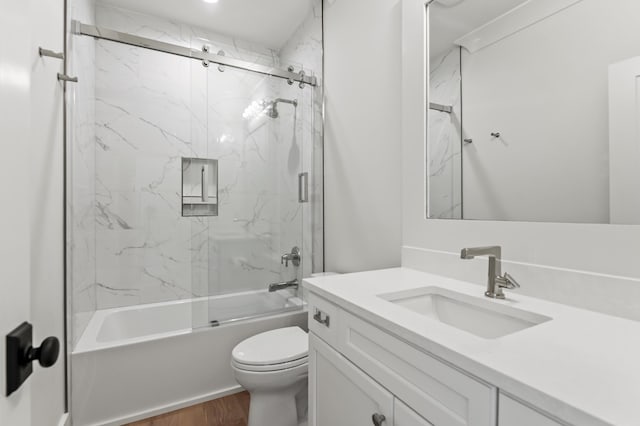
<point>81,268</point>
<point>445,135</point>
<point>151,109</point>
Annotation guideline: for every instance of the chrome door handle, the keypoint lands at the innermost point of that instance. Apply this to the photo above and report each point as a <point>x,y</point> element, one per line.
<point>203,183</point>
<point>318,317</point>
<point>378,419</point>
<point>303,187</point>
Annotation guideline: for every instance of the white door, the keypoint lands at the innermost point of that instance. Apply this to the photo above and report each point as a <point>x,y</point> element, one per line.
<point>405,416</point>
<point>31,224</point>
<point>46,206</point>
<point>15,291</point>
<point>341,394</point>
<point>624,142</point>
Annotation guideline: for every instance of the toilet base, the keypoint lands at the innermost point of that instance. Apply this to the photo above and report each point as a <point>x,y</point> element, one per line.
<point>268,408</point>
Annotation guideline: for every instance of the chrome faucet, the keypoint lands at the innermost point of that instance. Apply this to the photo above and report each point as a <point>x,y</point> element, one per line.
<point>496,280</point>
<point>281,286</point>
<point>294,257</point>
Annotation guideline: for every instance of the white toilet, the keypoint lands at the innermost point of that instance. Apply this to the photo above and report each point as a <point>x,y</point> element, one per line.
<point>273,367</point>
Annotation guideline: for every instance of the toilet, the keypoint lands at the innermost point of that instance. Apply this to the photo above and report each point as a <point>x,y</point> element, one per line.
<point>273,367</point>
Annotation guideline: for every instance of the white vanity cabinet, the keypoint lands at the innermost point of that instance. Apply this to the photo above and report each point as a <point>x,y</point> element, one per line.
<point>405,416</point>
<point>342,395</point>
<point>514,413</point>
<point>357,371</point>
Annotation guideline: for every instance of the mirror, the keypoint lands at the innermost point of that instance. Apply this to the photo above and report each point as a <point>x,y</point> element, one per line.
<point>534,111</point>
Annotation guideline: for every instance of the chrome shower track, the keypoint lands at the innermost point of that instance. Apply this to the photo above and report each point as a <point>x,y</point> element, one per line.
<point>147,43</point>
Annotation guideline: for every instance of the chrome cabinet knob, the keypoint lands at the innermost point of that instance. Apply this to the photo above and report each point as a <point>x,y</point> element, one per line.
<point>378,419</point>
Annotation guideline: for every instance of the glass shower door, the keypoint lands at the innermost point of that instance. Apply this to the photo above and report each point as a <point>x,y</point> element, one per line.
<point>252,131</point>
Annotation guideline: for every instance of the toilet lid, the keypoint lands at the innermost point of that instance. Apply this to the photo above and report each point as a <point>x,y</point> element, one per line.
<point>273,347</point>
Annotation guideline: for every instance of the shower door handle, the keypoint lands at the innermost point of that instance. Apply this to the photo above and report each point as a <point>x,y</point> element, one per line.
<point>203,183</point>
<point>303,188</point>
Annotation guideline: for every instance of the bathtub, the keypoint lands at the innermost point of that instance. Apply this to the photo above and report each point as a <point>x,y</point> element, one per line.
<point>135,362</point>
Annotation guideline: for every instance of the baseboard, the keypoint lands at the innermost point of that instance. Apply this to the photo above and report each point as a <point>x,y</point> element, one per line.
<point>171,407</point>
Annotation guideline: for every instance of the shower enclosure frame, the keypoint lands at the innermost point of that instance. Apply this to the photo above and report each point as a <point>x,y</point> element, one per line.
<point>74,28</point>
<point>120,37</point>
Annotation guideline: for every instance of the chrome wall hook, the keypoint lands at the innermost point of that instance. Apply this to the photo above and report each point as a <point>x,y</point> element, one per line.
<point>495,134</point>
<point>64,77</point>
<point>50,53</point>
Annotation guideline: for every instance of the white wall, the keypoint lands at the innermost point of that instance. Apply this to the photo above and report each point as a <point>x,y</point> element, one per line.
<point>546,256</point>
<point>362,134</point>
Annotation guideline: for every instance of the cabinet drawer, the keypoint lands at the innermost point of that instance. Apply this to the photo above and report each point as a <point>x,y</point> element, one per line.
<point>514,413</point>
<point>441,394</point>
<point>323,319</point>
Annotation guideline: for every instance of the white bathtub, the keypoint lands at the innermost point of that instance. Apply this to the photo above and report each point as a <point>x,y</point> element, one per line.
<point>136,362</point>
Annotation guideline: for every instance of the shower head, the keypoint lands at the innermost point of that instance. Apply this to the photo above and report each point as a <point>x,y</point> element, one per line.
<point>272,108</point>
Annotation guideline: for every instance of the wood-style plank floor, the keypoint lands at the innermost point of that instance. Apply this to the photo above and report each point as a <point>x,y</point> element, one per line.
<point>232,410</point>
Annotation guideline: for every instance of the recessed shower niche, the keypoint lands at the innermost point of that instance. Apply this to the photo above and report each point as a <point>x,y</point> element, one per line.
<point>199,187</point>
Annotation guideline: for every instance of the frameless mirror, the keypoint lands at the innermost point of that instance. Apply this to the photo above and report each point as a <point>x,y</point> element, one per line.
<point>534,111</point>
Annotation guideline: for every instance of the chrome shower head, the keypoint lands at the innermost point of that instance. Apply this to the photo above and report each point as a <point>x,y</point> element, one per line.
<point>272,107</point>
<point>272,110</point>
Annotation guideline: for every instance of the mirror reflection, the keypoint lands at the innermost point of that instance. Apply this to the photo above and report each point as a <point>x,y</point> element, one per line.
<point>533,111</point>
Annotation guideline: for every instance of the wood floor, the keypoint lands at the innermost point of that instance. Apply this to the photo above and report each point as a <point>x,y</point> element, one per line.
<point>232,410</point>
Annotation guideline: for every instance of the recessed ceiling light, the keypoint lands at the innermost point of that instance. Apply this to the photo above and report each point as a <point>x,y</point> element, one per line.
<point>210,1</point>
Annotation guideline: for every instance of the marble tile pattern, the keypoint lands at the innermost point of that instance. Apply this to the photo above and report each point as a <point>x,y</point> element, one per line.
<point>81,261</point>
<point>151,109</point>
<point>444,138</point>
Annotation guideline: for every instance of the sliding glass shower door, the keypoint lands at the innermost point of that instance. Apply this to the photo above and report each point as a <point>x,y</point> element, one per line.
<point>254,244</point>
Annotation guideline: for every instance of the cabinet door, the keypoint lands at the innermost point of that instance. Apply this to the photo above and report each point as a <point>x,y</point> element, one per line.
<point>340,394</point>
<point>405,416</point>
<point>513,413</point>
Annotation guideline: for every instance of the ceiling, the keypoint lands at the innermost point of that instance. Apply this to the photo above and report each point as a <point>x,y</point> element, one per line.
<point>451,19</point>
<point>269,23</point>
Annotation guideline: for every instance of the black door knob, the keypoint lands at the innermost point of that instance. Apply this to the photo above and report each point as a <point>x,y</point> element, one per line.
<point>21,354</point>
<point>46,354</point>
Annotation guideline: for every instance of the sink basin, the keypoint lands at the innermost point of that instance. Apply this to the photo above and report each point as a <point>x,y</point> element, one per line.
<point>483,318</point>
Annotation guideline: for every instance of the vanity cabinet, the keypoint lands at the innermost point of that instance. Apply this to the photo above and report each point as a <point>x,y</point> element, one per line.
<point>343,395</point>
<point>512,412</point>
<point>357,371</point>
<point>405,416</point>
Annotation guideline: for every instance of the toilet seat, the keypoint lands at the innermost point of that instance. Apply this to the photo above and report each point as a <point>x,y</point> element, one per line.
<point>270,367</point>
<point>273,350</point>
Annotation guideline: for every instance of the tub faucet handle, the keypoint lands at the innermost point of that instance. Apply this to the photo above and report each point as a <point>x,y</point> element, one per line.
<point>294,257</point>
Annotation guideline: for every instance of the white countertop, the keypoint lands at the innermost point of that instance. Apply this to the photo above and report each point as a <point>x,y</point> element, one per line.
<point>582,367</point>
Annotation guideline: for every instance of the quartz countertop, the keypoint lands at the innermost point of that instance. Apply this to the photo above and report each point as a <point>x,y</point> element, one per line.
<point>582,366</point>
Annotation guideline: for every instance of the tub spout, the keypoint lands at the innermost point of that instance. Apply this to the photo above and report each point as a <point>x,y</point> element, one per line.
<point>286,284</point>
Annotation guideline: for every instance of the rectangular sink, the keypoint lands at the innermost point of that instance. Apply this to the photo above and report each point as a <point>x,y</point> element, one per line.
<point>482,318</point>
